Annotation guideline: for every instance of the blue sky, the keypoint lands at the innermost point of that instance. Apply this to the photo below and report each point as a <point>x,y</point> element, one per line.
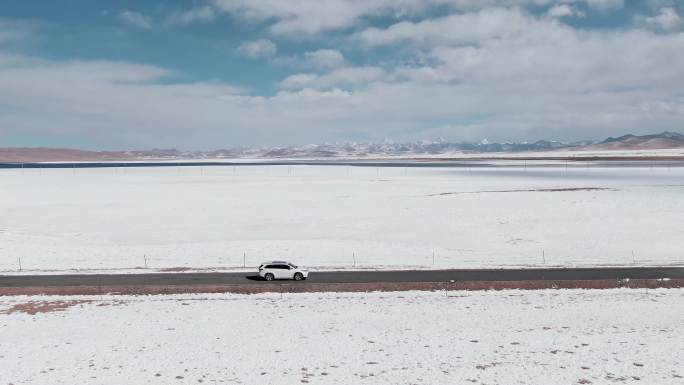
<point>222,73</point>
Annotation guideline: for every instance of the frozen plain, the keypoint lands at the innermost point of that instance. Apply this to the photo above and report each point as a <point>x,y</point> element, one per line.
<point>340,216</point>
<point>617,336</point>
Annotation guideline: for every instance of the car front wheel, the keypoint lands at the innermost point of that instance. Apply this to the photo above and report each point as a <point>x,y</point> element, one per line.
<point>269,277</point>
<point>298,276</point>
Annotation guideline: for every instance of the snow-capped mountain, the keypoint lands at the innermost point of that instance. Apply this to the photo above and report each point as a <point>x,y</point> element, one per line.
<point>347,150</point>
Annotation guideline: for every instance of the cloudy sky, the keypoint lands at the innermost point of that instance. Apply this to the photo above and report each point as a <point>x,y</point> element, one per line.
<point>211,74</point>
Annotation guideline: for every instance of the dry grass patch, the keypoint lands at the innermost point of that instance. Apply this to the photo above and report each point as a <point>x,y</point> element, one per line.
<point>35,307</point>
<point>175,269</point>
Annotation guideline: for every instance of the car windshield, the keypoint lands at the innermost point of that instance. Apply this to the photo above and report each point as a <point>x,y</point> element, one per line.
<point>293,266</point>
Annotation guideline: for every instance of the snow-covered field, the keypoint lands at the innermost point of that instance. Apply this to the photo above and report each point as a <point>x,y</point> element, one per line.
<point>340,216</point>
<point>616,336</point>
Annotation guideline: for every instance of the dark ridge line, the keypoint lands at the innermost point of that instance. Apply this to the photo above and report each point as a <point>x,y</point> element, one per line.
<point>68,165</point>
<point>528,190</point>
<point>407,163</point>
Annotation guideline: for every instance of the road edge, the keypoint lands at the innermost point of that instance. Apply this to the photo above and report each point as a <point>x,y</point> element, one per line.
<point>310,287</point>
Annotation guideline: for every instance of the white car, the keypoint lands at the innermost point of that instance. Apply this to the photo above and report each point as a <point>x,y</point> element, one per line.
<point>281,270</point>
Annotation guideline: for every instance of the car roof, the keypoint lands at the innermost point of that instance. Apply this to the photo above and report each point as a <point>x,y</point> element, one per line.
<point>276,262</point>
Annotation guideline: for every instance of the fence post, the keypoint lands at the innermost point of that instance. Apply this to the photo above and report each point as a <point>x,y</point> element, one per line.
<point>447,286</point>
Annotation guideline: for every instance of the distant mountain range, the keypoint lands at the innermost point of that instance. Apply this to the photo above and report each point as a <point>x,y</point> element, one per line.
<point>348,150</point>
<point>643,142</point>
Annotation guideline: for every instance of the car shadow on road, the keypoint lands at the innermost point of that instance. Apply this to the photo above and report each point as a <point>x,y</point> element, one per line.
<point>254,278</point>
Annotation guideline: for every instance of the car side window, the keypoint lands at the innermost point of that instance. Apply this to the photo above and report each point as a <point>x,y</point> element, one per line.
<point>283,267</point>
<point>271,266</point>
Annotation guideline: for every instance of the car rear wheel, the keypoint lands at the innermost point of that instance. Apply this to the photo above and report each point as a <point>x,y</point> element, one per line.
<point>269,277</point>
<point>298,276</point>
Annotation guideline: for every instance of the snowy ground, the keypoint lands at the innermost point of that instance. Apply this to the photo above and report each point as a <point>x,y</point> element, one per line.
<point>339,216</point>
<point>616,336</point>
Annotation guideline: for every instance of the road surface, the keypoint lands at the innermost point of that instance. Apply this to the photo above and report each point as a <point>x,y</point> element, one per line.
<point>385,276</point>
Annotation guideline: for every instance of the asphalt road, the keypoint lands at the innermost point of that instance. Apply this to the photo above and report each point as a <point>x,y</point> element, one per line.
<point>394,276</point>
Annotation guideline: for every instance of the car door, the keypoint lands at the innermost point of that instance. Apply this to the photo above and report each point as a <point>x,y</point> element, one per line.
<point>270,269</point>
<point>283,272</point>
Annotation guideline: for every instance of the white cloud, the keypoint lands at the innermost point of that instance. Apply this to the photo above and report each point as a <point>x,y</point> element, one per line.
<point>667,19</point>
<point>553,82</point>
<point>564,10</point>
<point>509,44</point>
<point>310,17</point>
<point>298,17</point>
<point>258,48</point>
<point>453,29</point>
<point>325,58</point>
<point>501,73</point>
<point>339,78</point>
<point>319,60</point>
<point>605,5</point>
<point>136,19</point>
<point>306,18</point>
<point>200,14</point>
<point>510,75</point>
